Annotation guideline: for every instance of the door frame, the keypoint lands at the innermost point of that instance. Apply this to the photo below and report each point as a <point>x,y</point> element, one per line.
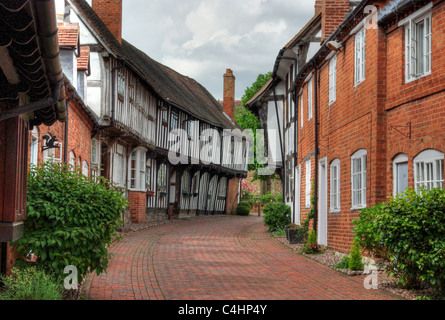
<point>322,230</point>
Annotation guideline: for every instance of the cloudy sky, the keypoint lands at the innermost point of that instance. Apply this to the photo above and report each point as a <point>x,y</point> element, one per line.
<point>202,38</point>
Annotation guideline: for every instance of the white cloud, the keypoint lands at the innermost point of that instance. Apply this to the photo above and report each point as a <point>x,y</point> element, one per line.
<point>201,38</point>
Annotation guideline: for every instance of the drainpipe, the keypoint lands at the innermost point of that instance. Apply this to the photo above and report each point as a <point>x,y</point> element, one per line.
<point>65,149</point>
<point>281,141</point>
<point>317,151</point>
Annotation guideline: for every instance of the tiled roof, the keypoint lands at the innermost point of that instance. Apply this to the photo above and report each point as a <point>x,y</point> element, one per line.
<point>83,60</point>
<point>68,34</point>
<point>26,72</point>
<point>100,28</point>
<point>183,92</point>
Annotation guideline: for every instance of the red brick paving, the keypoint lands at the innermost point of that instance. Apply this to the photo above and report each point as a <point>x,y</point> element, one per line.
<point>219,258</point>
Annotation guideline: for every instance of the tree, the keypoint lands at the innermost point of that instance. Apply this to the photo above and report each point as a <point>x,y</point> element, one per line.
<point>247,120</point>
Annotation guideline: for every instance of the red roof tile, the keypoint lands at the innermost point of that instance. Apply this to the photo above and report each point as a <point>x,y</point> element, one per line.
<point>68,34</point>
<point>82,61</point>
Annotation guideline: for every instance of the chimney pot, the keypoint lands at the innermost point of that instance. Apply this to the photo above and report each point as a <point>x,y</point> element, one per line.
<point>229,94</point>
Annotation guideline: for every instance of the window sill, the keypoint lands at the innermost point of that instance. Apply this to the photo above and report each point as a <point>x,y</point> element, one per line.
<point>336,211</point>
<point>353,209</point>
<point>407,81</point>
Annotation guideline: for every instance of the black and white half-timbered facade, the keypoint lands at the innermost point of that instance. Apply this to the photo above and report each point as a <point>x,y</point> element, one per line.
<point>145,110</point>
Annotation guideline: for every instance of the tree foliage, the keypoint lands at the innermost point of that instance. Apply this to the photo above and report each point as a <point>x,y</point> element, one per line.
<point>246,119</point>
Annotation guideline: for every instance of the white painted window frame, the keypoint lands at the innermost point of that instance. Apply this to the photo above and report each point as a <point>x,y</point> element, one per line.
<point>411,59</point>
<point>334,187</point>
<point>433,160</point>
<point>362,188</point>
<point>360,57</point>
<point>310,94</point>
<point>140,166</point>
<point>308,185</point>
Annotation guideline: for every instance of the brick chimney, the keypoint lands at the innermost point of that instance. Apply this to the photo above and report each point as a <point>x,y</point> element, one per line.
<point>229,94</point>
<point>318,6</point>
<point>110,12</point>
<point>333,14</point>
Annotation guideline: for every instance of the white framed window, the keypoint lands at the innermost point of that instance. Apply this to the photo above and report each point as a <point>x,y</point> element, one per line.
<point>162,177</point>
<point>308,185</point>
<point>360,56</point>
<point>85,169</point>
<point>429,170</point>
<point>121,84</point>
<point>186,182</point>
<point>333,80</point>
<point>310,98</point>
<point>335,186</point>
<point>400,174</point>
<point>359,179</point>
<point>418,47</point>
<point>34,146</point>
<point>95,151</point>
<point>72,161</point>
<point>148,172</point>
<point>137,166</point>
<point>119,165</point>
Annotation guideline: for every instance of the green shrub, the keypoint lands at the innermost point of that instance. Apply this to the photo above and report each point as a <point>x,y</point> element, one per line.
<point>311,246</point>
<point>71,220</point>
<point>279,198</point>
<point>409,233</point>
<point>30,284</point>
<point>243,209</point>
<point>355,261</point>
<point>343,264</point>
<point>276,216</point>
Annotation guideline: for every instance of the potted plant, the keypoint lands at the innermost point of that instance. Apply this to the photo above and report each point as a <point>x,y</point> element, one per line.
<point>294,234</point>
<point>150,193</point>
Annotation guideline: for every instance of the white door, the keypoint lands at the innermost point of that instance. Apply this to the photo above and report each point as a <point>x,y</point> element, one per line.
<point>323,204</point>
<point>297,196</point>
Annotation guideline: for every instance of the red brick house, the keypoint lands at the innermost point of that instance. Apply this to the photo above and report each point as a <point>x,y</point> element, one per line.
<point>32,92</point>
<point>73,137</point>
<point>369,111</point>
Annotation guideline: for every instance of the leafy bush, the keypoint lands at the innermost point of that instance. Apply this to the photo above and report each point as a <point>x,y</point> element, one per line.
<point>276,216</point>
<point>279,198</point>
<point>71,220</point>
<point>311,246</point>
<point>30,284</point>
<point>343,264</point>
<point>243,209</point>
<point>355,260</point>
<point>409,233</point>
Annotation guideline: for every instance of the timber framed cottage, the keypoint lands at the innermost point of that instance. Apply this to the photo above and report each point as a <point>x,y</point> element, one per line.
<point>366,110</point>
<point>139,103</point>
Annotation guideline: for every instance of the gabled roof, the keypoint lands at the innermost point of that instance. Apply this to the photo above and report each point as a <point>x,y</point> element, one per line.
<point>181,91</point>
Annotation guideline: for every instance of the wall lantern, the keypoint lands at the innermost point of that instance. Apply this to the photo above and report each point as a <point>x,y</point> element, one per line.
<point>334,45</point>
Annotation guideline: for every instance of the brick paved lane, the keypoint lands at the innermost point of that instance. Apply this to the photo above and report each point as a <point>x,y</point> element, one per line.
<point>218,258</point>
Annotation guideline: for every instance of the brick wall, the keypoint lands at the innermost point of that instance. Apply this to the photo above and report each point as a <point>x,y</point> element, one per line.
<point>79,136</point>
<point>362,117</point>
<point>137,205</point>
<point>232,195</point>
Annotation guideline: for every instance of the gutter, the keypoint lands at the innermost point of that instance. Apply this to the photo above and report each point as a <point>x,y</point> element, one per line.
<point>45,13</point>
<point>317,149</point>
<point>399,9</point>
